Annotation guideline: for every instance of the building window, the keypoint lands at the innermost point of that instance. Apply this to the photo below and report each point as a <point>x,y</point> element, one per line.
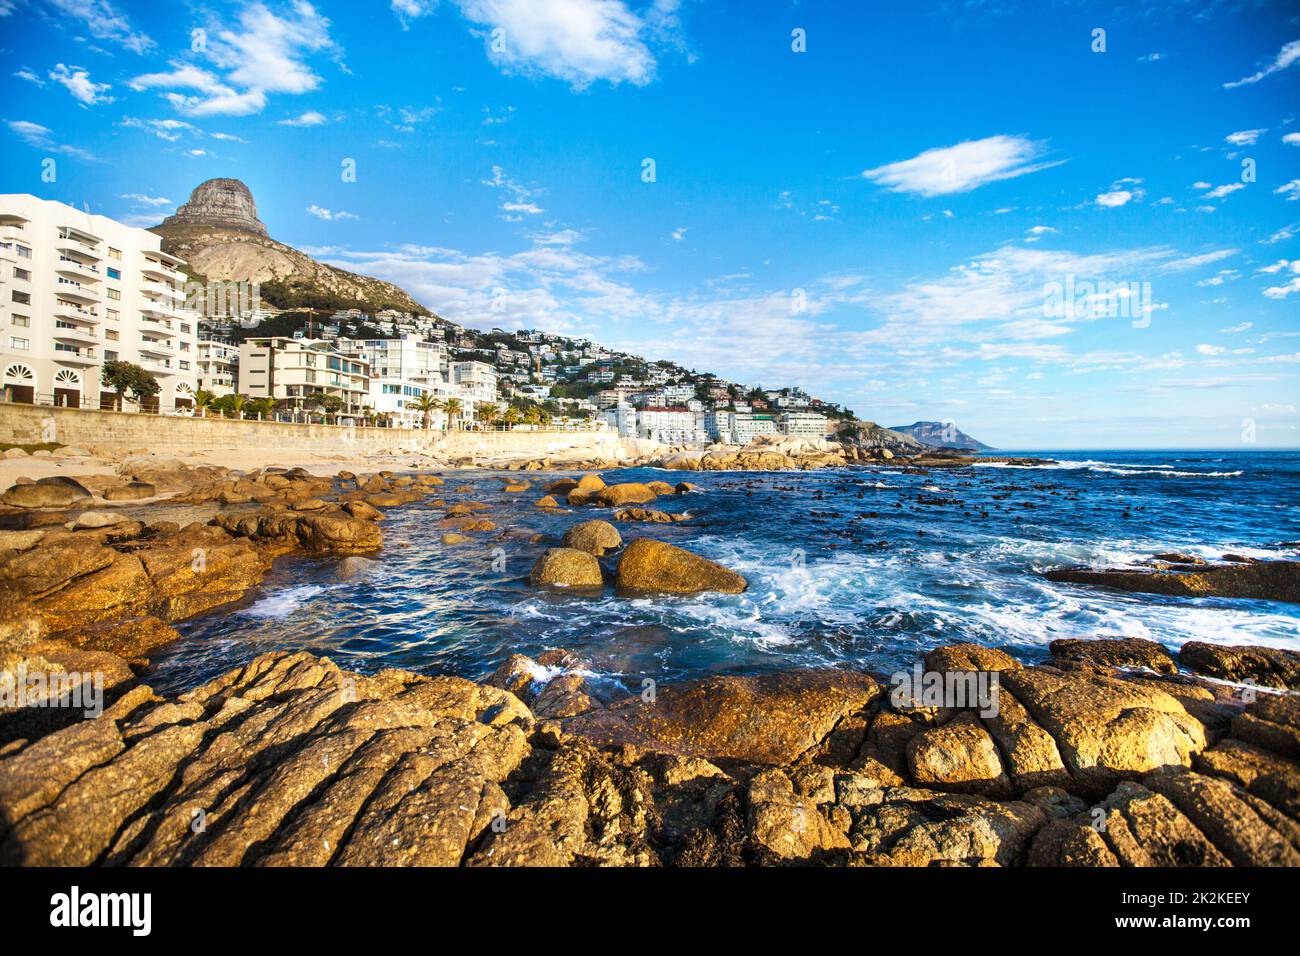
<point>110,356</point>
<point>23,252</point>
<point>184,364</point>
<point>111,314</point>
<point>114,253</point>
<point>113,294</point>
<point>185,346</point>
<point>22,274</point>
<point>22,298</point>
<point>111,335</point>
<point>19,345</point>
<point>114,273</point>
<point>21,321</point>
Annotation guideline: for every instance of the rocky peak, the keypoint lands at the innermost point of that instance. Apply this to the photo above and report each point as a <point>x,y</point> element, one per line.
<point>219,202</point>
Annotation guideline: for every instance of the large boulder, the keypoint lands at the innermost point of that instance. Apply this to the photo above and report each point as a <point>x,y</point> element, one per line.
<point>628,493</point>
<point>649,565</point>
<point>131,491</point>
<point>41,495</point>
<point>770,718</point>
<point>566,567</point>
<point>959,755</point>
<point>594,537</point>
<point>1115,652</point>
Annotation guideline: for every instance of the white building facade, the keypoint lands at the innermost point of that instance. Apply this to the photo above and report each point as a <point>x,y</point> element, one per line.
<point>78,290</point>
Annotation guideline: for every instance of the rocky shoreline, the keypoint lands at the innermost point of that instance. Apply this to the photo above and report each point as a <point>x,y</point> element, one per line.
<point>1112,753</point>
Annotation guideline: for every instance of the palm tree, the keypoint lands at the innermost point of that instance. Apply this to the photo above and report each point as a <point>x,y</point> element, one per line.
<point>203,400</point>
<point>453,407</point>
<point>488,414</point>
<point>512,416</point>
<point>426,404</point>
<point>237,403</point>
<point>261,407</point>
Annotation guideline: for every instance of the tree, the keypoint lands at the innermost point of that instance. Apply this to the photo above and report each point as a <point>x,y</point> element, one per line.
<point>331,405</point>
<point>512,416</point>
<point>203,399</point>
<point>122,377</point>
<point>262,407</point>
<point>454,407</point>
<point>426,404</point>
<point>488,414</point>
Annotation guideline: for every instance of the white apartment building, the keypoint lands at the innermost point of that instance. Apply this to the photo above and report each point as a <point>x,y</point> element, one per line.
<point>217,366</point>
<point>296,370</point>
<point>622,419</point>
<point>746,426</point>
<point>477,381</point>
<point>666,425</point>
<point>804,424</point>
<point>406,357</point>
<point>78,290</point>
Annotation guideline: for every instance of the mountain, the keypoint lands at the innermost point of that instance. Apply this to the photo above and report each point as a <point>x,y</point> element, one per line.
<point>869,437</point>
<point>941,435</point>
<point>219,235</point>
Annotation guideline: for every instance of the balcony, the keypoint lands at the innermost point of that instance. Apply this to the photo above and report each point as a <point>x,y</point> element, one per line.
<point>157,327</point>
<point>161,291</point>
<point>70,310</point>
<point>78,292</point>
<point>156,347</point>
<point>75,267</point>
<point>67,332</point>
<point>159,270</point>
<point>75,356</point>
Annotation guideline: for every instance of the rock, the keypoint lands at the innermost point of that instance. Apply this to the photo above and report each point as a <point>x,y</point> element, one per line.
<point>661,488</point>
<point>594,537</point>
<point>131,491</point>
<point>96,519</point>
<point>566,567</point>
<point>451,537</point>
<point>790,826</point>
<point>588,484</point>
<point>960,756</point>
<point>1115,652</point>
<point>19,540</point>
<point>225,203</point>
<point>645,514</point>
<point>13,453</point>
<point>628,493</point>
<point>546,501</point>
<point>1107,729</point>
<point>1266,581</point>
<point>362,510</point>
<point>1267,666</point>
<point>353,568</point>
<point>648,565</point>
<point>768,719</point>
<point>43,496</point>
<point>310,504</point>
<point>969,657</point>
<point>1246,829</point>
<point>685,488</point>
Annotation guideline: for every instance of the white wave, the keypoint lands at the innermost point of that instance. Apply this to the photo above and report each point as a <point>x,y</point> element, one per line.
<point>281,604</point>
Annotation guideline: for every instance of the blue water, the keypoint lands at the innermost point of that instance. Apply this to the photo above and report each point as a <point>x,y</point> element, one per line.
<point>846,567</point>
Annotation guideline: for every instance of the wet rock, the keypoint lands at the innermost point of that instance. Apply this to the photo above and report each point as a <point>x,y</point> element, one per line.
<point>354,568</point>
<point>628,493</point>
<point>1115,652</point>
<point>594,537</point>
<point>589,484</point>
<point>452,537</point>
<point>566,567</point>
<point>1247,830</point>
<point>360,509</point>
<point>96,519</point>
<point>1266,580</point>
<point>770,719</point>
<point>546,501</point>
<point>648,565</point>
<point>1268,666</point>
<point>969,657</point>
<point>645,514</point>
<point>789,825</point>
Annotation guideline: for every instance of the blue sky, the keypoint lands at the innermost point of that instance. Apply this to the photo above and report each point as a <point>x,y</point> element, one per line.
<point>883,217</point>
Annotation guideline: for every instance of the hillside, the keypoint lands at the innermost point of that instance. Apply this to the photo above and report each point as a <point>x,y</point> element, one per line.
<point>941,435</point>
<point>219,235</point>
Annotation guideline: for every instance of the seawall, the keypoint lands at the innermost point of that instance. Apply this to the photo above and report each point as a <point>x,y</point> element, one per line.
<point>170,434</point>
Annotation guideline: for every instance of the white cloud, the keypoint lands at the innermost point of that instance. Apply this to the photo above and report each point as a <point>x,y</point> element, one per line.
<point>309,118</point>
<point>1292,138</point>
<point>1151,58</point>
<point>1245,137</point>
<point>521,205</point>
<point>1234,329</point>
<point>1286,232</point>
<point>141,199</point>
<point>408,10</point>
<point>1112,200</point>
<point>1210,349</point>
<point>578,41</point>
<point>78,82</point>
<point>961,168</point>
<point>264,53</point>
<point>1287,56</point>
<point>103,21</point>
<point>1291,190</point>
<point>1218,192</point>
<point>679,233</point>
<point>168,129</point>
<point>320,212</point>
<point>29,76</point>
<point>41,137</point>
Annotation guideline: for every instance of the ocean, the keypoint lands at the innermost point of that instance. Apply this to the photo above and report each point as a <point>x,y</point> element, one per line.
<point>862,567</point>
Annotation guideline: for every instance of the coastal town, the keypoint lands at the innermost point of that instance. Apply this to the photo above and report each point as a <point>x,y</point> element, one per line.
<point>96,314</point>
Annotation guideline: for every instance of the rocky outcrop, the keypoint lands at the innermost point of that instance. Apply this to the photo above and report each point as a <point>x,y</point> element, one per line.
<point>1263,580</point>
<point>219,202</point>
<point>289,761</point>
<point>594,537</point>
<point>1269,666</point>
<point>566,567</point>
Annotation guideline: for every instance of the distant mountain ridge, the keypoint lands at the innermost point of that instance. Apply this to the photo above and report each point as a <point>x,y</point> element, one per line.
<point>941,435</point>
<point>220,237</point>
